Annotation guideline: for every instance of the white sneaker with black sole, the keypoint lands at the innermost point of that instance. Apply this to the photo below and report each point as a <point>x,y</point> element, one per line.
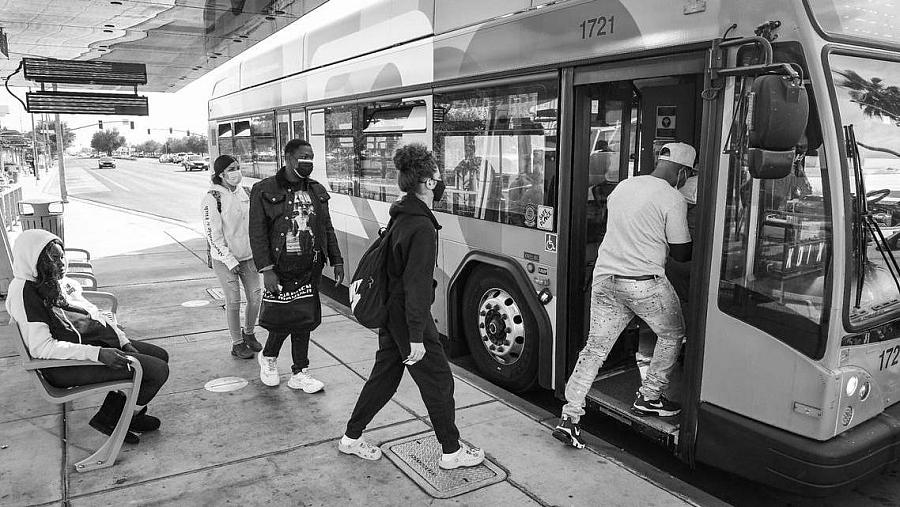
<point>268,370</point>
<point>305,382</point>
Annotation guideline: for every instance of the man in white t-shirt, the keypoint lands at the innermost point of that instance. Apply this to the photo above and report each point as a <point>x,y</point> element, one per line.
<point>647,222</point>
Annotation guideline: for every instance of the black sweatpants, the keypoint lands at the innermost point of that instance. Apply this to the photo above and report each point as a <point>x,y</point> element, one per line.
<point>154,364</point>
<point>432,375</point>
<point>299,347</point>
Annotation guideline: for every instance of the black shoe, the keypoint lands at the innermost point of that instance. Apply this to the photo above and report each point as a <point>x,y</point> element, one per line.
<point>660,407</point>
<point>568,433</point>
<point>241,351</point>
<point>107,417</point>
<point>142,423</point>
<point>251,341</point>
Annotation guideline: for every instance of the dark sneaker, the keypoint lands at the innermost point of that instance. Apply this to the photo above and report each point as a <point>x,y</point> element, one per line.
<point>241,351</point>
<point>661,406</point>
<point>141,422</point>
<point>568,433</point>
<point>251,341</point>
<point>107,417</point>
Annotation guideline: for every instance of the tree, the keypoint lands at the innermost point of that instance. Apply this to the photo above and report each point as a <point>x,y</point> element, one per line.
<point>150,146</point>
<point>68,135</point>
<point>873,97</point>
<point>107,141</point>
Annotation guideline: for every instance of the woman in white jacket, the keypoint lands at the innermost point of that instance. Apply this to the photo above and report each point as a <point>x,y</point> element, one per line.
<point>225,212</point>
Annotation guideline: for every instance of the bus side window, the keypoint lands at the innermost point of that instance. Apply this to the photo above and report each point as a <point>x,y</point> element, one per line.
<point>496,149</point>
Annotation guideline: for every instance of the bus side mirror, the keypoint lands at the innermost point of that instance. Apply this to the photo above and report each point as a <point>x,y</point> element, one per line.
<point>779,116</point>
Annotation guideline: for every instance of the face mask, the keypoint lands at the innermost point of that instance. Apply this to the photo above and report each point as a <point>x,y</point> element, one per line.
<point>304,168</point>
<point>439,190</point>
<point>233,178</point>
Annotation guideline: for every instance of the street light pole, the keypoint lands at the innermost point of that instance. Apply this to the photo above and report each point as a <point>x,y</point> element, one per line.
<point>60,147</point>
<point>37,169</point>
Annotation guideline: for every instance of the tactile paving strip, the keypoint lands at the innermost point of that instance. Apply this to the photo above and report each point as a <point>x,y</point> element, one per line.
<point>418,457</point>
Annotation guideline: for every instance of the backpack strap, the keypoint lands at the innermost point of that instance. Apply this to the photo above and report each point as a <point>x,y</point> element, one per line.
<point>218,196</point>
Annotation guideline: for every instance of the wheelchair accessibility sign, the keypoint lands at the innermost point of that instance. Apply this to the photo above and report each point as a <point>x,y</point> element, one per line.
<point>550,242</point>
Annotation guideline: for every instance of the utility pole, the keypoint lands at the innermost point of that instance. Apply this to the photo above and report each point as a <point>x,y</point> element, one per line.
<point>60,147</point>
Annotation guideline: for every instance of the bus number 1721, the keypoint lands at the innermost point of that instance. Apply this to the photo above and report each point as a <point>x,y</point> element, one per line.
<point>598,27</point>
<point>889,357</point>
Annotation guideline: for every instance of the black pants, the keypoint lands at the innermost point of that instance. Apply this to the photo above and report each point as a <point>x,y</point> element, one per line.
<point>432,375</point>
<point>299,348</point>
<point>154,363</point>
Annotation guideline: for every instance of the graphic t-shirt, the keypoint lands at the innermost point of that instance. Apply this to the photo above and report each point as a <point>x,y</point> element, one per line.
<point>645,215</point>
<point>300,250</point>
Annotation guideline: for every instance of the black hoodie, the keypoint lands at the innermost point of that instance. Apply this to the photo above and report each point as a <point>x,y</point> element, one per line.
<point>413,242</point>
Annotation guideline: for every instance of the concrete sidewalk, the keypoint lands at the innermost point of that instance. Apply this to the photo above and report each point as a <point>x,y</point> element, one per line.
<point>271,445</point>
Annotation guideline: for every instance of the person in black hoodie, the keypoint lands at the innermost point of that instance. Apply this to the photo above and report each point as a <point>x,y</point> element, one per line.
<point>410,337</point>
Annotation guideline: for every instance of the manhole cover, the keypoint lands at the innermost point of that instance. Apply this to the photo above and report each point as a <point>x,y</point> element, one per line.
<point>418,457</point>
<point>225,384</point>
<point>194,303</point>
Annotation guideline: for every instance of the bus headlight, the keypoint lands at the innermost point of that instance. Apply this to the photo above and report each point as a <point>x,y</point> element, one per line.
<point>847,416</point>
<point>864,391</point>
<point>852,384</point>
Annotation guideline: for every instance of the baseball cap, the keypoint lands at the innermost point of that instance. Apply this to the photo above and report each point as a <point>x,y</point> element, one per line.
<point>680,153</point>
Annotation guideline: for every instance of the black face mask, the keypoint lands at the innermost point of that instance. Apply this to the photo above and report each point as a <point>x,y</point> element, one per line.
<point>304,168</point>
<point>439,190</point>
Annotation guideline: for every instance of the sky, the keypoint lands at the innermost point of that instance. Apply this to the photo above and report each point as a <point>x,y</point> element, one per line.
<point>183,110</point>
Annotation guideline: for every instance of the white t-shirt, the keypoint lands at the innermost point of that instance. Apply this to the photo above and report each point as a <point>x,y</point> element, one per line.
<point>645,214</point>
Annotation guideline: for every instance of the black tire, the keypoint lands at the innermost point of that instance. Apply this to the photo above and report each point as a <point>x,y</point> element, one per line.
<point>490,294</point>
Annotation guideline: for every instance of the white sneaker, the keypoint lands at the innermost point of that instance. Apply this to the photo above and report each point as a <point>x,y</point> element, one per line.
<point>362,449</point>
<point>303,380</point>
<point>268,370</point>
<point>465,457</point>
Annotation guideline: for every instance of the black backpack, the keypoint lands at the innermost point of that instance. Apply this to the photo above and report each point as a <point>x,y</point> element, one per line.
<point>368,287</point>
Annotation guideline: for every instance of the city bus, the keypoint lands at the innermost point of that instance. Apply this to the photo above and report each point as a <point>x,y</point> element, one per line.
<point>535,110</point>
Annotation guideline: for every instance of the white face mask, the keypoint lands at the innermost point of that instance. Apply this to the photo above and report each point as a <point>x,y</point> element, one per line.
<point>233,178</point>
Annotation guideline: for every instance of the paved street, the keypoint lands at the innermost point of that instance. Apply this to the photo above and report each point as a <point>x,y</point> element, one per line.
<point>144,185</point>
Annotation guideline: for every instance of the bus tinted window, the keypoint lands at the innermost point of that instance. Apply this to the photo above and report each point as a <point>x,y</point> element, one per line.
<point>776,255</point>
<point>340,155</point>
<point>496,148</point>
<point>386,128</point>
<point>262,130</point>
<point>243,147</point>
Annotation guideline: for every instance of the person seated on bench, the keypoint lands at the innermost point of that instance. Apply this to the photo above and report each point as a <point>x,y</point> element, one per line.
<point>55,326</point>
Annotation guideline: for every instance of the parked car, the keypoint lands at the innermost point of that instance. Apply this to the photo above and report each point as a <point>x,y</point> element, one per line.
<point>179,157</point>
<point>165,158</point>
<point>106,162</point>
<point>192,162</point>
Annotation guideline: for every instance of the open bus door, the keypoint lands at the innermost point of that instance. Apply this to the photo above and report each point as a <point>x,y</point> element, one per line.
<point>623,114</point>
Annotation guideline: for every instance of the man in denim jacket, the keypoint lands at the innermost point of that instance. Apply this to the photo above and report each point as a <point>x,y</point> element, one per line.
<point>290,236</point>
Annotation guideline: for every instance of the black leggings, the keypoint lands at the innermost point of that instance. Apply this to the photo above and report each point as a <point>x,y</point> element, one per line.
<point>154,363</point>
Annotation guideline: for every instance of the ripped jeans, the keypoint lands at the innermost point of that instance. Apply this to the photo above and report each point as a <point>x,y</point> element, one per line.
<point>614,302</point>
<point>231,286</point>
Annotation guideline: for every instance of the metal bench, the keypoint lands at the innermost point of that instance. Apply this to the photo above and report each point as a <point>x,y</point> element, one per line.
<point>106,455</point>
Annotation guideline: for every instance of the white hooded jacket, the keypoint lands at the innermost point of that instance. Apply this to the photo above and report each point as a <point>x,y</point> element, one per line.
<point>227,232</point>
<point>25,306</point>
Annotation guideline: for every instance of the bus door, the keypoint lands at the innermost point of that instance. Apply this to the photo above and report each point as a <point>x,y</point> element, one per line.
<point>623,115</point>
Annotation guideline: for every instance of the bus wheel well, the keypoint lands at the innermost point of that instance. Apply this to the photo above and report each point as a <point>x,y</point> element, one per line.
<point>478,262</point>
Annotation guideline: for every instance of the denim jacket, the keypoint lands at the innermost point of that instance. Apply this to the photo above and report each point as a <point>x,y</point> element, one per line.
<point>271,207</point>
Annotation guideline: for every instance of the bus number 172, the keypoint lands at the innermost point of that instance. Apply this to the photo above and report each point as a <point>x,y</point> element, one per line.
<point>889,357</point>
<point>598,27</point>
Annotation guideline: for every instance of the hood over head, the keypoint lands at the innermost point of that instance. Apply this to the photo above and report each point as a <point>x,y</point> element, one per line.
<point>27,249</point>
<point>411,205</point>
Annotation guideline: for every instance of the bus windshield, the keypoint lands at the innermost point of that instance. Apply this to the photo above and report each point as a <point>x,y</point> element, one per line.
<point>868,96</point>
<point>874,20</point>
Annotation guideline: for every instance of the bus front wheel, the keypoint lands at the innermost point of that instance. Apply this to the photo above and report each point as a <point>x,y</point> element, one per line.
<point>501,332</point>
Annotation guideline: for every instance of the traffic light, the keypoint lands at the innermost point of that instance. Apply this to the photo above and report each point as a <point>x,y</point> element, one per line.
<point>100,124</point>
<point>148,132</point>
<point>132,125</point>
<point>189,133</point>
<point>170,130</point>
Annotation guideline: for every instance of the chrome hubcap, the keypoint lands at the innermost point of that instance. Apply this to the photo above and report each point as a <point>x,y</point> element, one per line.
<point>501,326</point>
